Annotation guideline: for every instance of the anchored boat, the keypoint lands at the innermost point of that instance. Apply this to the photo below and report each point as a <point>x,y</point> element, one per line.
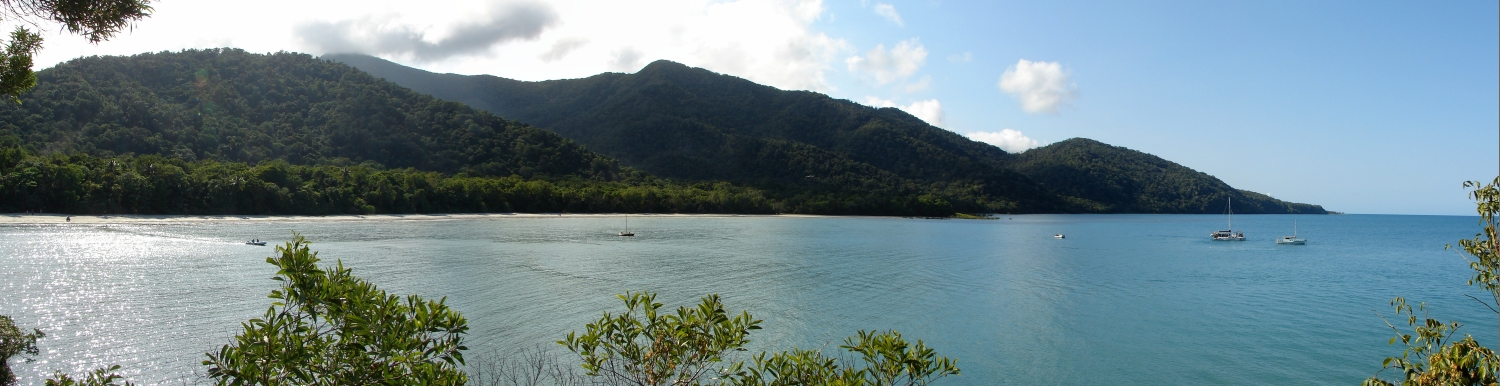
<point>1229,234</point>
<point>1293,239</point>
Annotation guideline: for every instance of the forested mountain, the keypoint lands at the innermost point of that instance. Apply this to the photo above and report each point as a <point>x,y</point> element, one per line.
<point>680,122</point>
<point>690,123</point>
<point>1112,179</point>
<point>225,131</point>
<point>229,105</point>
<point>228,132</point>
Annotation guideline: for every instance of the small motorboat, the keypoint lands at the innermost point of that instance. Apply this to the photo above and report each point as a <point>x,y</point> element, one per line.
<point>255,242</point>
<point>1060,236</point>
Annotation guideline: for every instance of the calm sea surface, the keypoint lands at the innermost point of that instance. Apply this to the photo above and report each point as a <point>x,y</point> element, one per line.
<point>1125,299</point>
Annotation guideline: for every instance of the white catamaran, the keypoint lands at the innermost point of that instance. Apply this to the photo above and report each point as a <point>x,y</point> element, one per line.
<point>1229,234</point>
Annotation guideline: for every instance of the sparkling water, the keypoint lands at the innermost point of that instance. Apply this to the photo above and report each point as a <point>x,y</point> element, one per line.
<point>1124,299</point>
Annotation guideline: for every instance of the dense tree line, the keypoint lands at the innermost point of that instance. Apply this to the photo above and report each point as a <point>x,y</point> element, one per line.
<point>79,183</point>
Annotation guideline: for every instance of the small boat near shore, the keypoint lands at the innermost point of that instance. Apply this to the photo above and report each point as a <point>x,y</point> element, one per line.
<point>255,242</point>
<point>627,232</point>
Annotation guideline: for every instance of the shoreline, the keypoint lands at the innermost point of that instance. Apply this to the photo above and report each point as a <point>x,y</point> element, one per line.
<point>49,218</point>
<point>52,218</point>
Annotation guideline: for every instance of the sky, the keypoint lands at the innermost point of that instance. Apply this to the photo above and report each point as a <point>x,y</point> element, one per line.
<point>1379,107</point>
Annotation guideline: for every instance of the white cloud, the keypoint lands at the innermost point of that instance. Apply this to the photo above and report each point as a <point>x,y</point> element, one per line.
<point>1009,140</point>
<point>626,60</point>
<point>877,102</point>
<point>1042,87</point>
<point>381,36</point>
<point>920,85</point>
<point>889,13</point>
<point>771,42</point>
<point>887,66</point>
<point>561,48</point>
<point>929,111</point>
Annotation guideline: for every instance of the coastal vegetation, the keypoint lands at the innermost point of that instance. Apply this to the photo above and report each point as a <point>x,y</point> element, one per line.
<point>645,346</point>
<point>14,343</point>
<point>329,327</point>
<point>1434,354</point>
<point>84,184</point>
<point>691,124</point>
<point>674,134</point>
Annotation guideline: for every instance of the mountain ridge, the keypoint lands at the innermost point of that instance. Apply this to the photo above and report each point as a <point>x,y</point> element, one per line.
<point>884,143</point>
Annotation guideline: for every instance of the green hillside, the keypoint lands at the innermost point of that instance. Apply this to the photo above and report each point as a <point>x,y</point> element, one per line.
<point>229,105</point>
<point>680,122</point>
<point>690,123</point>
<point>1112,179</point>
<point>229,132</point>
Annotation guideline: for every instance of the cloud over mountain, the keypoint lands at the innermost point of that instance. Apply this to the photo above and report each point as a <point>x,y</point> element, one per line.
<point>509,22</point>
<point>1041,87</point>
<point>887,66</point>
<point>1007,139</point>
<point>929,110</point>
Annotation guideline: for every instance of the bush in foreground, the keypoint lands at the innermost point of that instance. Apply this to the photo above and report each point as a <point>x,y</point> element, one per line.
<point>1433,354</point>
<point>647,347</point>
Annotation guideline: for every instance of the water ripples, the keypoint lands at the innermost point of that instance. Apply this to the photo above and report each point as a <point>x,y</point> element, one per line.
<point>1123,300</point>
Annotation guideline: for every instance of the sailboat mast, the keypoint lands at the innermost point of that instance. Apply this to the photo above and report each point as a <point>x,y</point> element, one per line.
<point>1231,213</point>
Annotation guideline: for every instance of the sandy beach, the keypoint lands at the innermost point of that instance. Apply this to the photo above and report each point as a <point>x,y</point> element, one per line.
<point>47,218</point>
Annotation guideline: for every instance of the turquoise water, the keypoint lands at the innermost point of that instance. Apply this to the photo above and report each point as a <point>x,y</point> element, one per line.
<point>1125,299</point>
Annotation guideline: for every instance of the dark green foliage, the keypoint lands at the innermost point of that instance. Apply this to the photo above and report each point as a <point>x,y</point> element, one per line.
<point>83,184</point>
<point>887,360</point>
<point>1434,355</point>
<point>229,105</point>
<point>14,342</point>
<point>96,20</point>
<point>681,122</point>
<point>687,123</point>
<point>99,377</point>
<point>1112,179</point>
<point>328,327</point>
<point>15,63</point>
<point>646,347</point>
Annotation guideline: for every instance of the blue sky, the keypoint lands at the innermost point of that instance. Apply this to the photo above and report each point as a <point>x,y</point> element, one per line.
<point>1369,107</point>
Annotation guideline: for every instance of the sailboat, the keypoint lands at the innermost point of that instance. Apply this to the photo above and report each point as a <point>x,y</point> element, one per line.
<point>627,231</point>
<point>1293,239</point>
<point>1229,234</point>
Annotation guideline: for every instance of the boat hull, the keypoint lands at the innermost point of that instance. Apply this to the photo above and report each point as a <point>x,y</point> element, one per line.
<point>1291,241</point>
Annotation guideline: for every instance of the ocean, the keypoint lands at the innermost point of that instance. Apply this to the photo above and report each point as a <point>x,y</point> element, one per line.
<point>1124,299</point>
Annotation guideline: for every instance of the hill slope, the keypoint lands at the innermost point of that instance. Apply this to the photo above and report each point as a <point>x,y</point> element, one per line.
<point>229,105</point>
<point>690,123</point>
<point>1112,179</point>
